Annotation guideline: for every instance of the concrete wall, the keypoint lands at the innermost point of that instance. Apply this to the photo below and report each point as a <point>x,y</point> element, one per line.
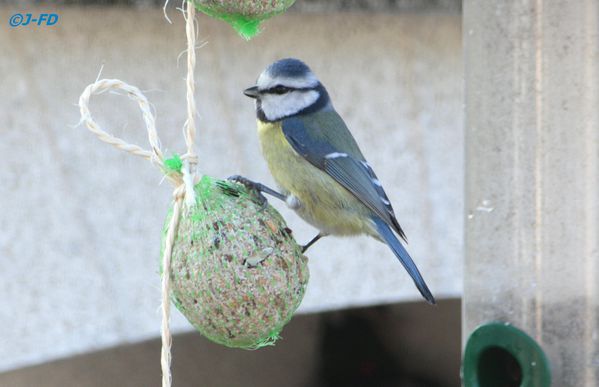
<point>81,222</point>
<point>532,180</point>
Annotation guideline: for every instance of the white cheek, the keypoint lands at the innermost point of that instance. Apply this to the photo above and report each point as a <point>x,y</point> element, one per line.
<point>276,107</point>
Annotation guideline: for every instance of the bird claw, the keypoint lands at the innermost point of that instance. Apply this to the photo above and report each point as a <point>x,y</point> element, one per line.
<point>252,187</point>
<point>242,180</point>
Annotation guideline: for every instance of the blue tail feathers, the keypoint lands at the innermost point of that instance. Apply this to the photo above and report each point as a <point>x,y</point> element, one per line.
<point>401,253</point>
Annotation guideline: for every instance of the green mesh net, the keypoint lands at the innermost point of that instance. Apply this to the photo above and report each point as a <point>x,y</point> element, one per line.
<point>237,273</point>
<point>244,16</point>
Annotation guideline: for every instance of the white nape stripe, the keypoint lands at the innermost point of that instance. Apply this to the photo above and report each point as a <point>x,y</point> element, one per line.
<point>265,81</point>
<point>377,182</point>
<point>335,155</point>
<point>387,202</point>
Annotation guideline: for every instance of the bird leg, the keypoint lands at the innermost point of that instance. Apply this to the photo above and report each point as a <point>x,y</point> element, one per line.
<point>257,189</point>
<point>314,240</point>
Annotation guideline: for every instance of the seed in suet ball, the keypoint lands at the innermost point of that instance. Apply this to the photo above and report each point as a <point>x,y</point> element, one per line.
<point>244,16</point>
<point>237,273</point>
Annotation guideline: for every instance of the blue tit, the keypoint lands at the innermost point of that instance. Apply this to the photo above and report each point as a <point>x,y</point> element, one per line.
<point>317,164</point>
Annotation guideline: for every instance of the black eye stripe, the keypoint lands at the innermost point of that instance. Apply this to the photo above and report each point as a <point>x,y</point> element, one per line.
<point>280,89</point>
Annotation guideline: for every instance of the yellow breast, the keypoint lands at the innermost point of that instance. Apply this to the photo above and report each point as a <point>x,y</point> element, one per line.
<point>323,202</point>
<point>282,160</point>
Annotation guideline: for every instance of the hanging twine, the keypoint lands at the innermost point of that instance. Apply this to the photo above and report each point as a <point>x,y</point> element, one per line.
<point>183,180</point>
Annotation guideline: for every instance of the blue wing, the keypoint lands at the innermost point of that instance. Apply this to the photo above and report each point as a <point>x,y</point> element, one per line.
<point>324,140</point>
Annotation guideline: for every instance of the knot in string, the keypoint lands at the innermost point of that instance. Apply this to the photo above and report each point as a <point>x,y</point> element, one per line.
<point>179,193</point>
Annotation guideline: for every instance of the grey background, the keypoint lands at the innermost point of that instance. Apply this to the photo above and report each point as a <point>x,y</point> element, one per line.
<point>81,221</point>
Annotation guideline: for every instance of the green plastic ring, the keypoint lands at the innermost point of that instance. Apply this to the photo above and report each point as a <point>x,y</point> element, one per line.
<point>498,354</point>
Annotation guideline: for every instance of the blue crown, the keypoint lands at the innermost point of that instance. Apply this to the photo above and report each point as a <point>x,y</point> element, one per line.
<point>288,67</point>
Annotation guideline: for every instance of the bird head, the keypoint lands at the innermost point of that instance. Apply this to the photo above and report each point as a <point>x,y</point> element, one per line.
<point>287,88</point>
